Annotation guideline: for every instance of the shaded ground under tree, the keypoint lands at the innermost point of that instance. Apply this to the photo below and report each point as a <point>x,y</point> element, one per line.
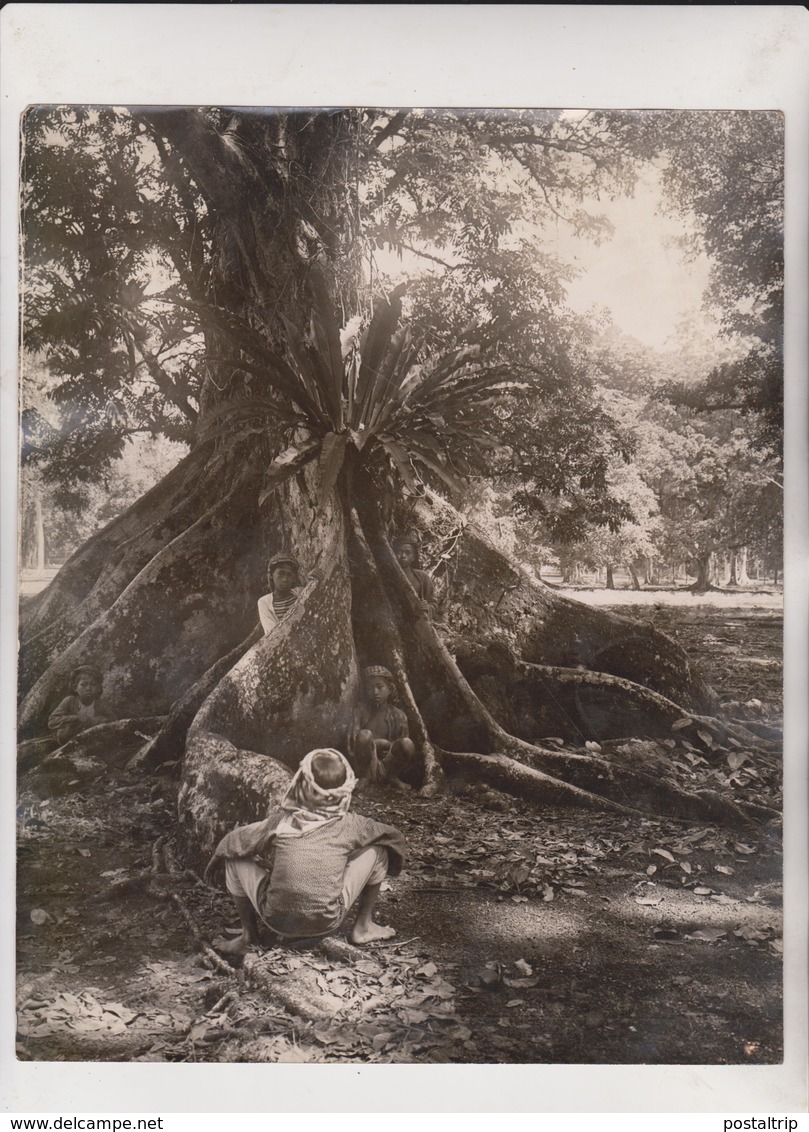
<point>525,933</point>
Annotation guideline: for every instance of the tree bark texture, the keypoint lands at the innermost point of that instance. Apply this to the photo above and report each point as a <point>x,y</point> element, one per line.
<point>513,662</point>
<point>163,600</point>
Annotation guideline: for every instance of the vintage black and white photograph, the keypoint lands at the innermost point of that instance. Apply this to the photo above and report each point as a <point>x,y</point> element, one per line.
<point>400,580</point>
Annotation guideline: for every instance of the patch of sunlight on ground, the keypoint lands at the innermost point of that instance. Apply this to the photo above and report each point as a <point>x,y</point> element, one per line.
<point>739,599</point>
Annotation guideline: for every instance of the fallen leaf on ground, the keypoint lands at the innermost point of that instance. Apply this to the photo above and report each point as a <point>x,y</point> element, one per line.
<point>707,935</point>
<point>292,1056</point>
<point>750,934</point>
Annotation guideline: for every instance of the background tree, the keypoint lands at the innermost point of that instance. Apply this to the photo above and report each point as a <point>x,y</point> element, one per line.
<point>629,540</point>
<point>726,169</point>
<point>313,413</point>
<point>716,484</point>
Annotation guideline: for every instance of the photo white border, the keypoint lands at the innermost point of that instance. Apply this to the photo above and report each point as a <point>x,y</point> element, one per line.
<point>431,55</point>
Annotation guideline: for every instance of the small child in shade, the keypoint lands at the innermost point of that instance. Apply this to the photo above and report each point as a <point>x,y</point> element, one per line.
<point>380,746</point>
<point>83,708</point>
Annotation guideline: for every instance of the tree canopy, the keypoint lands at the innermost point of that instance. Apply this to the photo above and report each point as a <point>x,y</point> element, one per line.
<point>215,275</point>
<point>125,227</point>
<point>119,220</point>
<point>727,169</point>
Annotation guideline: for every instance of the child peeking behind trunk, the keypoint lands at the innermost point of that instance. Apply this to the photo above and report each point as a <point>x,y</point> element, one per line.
<point>83,708</point>
<point>406,550</point>
<point>283,575</point>
<point>324,860</point>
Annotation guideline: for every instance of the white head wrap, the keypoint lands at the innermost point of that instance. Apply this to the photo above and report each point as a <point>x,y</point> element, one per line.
<point>308,805</point>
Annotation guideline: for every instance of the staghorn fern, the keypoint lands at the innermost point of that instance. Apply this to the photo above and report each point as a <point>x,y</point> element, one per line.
<point>372,391</point>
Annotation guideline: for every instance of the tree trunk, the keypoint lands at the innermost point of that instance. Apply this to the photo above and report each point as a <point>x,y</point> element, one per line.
<point>175,640</point>
<point>703,580</point>
<point>33,535</point>
<point>742,578</point>
<point>610,577</point>
<point>634,576</point>
<point>723,568</point>
<point>163,600</point>
<point>571,573</point>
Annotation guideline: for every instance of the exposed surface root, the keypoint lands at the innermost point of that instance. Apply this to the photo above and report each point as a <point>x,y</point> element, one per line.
<point>168,743</point>
<point>506,774</point>
<point>490,598</point>
<point>80,573</point>
<point>105,745</point>
<point>215,960</point>
<point>532,700</point>
<point>180,638</point>
<point>379,642</point>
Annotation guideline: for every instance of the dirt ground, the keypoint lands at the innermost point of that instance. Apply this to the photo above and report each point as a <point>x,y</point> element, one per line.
<point>523,935</point>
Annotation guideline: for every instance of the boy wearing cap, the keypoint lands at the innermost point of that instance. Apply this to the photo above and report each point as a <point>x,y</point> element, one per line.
<point>83,708</point>
<point>379,743</point>
<point>283,574</point>
<point>406,550</point>
<point>325,860</point>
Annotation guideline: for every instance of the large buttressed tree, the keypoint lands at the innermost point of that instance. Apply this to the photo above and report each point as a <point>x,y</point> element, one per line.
<point>210,274</point>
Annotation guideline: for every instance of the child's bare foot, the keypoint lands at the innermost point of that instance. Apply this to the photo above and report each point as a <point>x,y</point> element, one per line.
<point>238,946</point>
<point>370,933</point>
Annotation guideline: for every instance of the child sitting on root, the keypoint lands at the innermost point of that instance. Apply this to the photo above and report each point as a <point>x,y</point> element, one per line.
<point>379,744</point>
<point>83,708</point>
<point>325,860</point>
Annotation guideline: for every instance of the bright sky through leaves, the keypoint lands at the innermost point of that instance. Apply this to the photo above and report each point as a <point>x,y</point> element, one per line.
<point>640,274</point>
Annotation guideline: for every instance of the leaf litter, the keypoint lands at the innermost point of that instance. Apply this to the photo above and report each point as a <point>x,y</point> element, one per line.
<point>395,1007</point>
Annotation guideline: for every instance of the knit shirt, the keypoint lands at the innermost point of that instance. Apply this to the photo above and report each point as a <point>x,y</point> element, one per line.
<point>273,610</point>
